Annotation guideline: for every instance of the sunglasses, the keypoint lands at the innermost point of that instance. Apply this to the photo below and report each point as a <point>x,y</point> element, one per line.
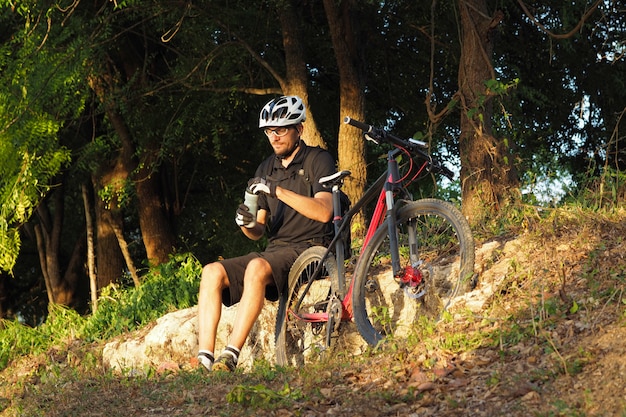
<point>277,131</point>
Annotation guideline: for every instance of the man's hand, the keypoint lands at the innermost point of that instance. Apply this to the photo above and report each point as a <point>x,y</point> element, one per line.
<point>262,185</point>
<point>244,217</point>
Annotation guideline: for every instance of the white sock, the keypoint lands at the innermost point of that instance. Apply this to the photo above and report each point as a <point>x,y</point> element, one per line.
<point>232,351</point>
<point>206,358</point>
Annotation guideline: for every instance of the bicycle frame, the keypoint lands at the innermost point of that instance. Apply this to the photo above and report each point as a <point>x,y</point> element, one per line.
<point>386,188</point>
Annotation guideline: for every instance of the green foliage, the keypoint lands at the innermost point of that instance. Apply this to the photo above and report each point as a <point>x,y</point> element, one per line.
<point>119,194</point>
<point>40,88</point>
<point>598,192</point>
<point>62,325</point>
<point>165,288</point>
<point>168,287</point>
<point>89,158</point>
<point>500,88</point>
<point>263,397</point>
<point>23,183</point>
<point>29,158</point>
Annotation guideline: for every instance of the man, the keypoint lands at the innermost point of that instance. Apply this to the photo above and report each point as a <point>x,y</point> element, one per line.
<point>294,212</point>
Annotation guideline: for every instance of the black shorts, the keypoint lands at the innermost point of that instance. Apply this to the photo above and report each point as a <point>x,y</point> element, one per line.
<point>280,257</point>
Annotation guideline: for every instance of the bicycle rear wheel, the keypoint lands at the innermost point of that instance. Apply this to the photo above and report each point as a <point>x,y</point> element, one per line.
<point>301,339</point>
<point>439,266</point>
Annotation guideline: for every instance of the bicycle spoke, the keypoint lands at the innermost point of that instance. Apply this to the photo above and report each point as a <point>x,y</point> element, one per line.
<point>302,335</point>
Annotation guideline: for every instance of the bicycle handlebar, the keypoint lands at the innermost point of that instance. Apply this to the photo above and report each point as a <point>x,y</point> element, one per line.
<point>377,135</point>
<point>380,134</point>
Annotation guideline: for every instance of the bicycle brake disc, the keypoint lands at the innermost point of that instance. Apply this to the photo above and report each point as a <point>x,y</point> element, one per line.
<point>418,291</point>
<point>414,292</point>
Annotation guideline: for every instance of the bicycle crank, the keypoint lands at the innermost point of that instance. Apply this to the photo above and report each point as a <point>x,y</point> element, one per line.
<point>334,311</point>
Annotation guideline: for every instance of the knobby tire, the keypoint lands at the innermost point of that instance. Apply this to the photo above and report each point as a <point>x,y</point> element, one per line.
<point>383,309</point>
<point>298,341</point>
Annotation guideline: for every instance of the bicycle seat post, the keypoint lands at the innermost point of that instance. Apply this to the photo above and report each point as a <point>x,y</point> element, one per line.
<point>339,243</point>
<point>334,182</point>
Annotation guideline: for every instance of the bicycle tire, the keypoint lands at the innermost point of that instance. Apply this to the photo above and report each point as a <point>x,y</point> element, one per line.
<point>298,341</point>
<point>446,265</point>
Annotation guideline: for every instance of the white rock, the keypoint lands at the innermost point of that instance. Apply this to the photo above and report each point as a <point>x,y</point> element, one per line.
<point>174,338</point>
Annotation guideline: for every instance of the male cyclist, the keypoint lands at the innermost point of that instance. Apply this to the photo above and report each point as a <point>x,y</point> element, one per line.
<point>294,212</point>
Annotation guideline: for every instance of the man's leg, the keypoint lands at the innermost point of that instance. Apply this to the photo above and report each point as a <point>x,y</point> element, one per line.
<point>258,275</point>
<point>214,280</point>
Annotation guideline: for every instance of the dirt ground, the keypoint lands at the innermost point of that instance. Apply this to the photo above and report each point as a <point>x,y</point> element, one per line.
<point>543,334</point>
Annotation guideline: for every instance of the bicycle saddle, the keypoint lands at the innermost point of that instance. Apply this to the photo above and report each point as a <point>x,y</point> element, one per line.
<point>334,179</point>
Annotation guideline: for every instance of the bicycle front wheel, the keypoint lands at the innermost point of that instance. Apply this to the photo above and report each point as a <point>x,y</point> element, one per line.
<point>301,334</point>
<point>436,251</point>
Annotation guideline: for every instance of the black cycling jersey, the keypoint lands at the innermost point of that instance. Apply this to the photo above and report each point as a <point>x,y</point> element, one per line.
<point>284,224</point>
<point>289,232</point>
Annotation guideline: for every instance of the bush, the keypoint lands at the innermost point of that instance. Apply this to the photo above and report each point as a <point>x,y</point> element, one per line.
<point>16,339</point>
<point>165,288</point>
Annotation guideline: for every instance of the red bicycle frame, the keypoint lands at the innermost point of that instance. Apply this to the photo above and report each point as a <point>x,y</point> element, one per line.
<point>391,182</point>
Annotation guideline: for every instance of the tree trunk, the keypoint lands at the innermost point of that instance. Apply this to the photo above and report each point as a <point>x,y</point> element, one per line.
<point>109,259</point>
<point>296,79</point>
<point>91,259</point>
<point>3,295</point>
<point>351,147</point>
<point>48,234</point>
<point>487,175</point>
<point>157,235</point>
<point>75,270</point>
<point>61,285</point>
<point>111,178</point>
<point>156,231</point>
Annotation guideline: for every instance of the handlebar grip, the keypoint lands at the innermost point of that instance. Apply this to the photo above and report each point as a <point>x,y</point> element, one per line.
<point>363,126</point>
<point>448,173</point>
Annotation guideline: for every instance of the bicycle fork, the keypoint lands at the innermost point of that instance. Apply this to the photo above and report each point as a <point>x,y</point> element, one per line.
<point>410,277</point>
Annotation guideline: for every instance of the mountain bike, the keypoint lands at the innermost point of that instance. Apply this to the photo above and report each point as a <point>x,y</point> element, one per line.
<point>417,255</point>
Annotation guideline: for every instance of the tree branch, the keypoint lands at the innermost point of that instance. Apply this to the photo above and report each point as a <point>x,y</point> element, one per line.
<point>124,248</point>
<point>254,54</point>
<point>569,34</point>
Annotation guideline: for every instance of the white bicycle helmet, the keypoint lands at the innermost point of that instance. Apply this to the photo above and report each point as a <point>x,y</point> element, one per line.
<point>283,111</point>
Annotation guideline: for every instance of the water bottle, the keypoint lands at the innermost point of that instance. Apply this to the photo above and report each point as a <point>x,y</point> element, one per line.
<point>250,200</point>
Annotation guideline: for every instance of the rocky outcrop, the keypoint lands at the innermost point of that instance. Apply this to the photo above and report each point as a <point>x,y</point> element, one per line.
<point>173,342</point>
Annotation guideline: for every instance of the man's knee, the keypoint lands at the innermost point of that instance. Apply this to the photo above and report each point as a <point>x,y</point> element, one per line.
<point>214,275</point>
<point>260,271</point>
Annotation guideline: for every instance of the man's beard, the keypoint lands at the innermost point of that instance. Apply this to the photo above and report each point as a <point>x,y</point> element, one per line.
<point>289,152</point>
